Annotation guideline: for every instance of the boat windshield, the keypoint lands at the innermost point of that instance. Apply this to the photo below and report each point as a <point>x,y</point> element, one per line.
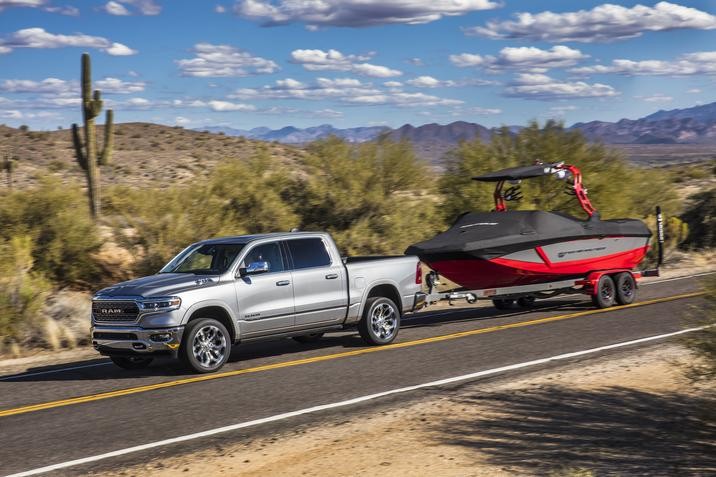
<point>204,259</point>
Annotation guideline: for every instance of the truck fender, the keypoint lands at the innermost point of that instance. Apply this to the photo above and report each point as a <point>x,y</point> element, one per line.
<point>217,304</point>
<point>375,284</point>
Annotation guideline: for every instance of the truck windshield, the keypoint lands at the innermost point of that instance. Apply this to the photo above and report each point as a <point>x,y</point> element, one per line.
<point>207,259</point>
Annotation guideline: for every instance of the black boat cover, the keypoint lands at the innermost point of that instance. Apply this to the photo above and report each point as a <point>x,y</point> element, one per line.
<point>516,173</point>
<point>489,235</point>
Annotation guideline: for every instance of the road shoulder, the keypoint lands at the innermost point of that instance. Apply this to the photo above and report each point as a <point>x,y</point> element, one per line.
<point>627,413</point>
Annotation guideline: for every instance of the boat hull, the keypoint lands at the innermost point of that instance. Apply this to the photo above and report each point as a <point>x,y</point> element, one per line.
<point>545,263</point>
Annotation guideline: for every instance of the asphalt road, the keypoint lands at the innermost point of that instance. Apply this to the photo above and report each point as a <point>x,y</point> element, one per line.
<point>120,409</point>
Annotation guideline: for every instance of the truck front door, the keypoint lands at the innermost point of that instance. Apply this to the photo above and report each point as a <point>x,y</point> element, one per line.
<point>265,295</point>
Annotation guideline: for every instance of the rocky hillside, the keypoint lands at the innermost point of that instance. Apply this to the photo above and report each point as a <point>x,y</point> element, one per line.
<point>144,154</point>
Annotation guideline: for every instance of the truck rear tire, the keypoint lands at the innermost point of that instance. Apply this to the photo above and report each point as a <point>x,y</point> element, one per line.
<point>380,322</point>
<point>131,362</point>
<point>206,345</point>
<point>604,295</point>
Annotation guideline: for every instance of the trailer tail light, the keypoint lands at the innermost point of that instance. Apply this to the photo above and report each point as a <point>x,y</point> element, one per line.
<point>418,275</point>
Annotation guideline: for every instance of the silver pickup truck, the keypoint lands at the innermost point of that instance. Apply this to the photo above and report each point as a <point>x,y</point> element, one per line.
<point>220,292</point>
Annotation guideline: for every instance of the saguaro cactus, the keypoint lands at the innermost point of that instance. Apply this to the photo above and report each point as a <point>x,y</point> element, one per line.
<point>87,154</point>
<point>8,165</point>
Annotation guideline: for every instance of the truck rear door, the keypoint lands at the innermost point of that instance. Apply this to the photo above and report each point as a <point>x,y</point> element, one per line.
<point>319,283</point>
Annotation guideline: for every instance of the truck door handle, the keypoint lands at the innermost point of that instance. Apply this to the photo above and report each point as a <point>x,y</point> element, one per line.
<point>331,276</point>
<point>283,283</point>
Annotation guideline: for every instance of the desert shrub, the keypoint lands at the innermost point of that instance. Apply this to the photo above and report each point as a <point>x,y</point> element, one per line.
<point>615,188</point>
<point>22,290</point>
<point>238,197</point>
<point>701,218</point>
<point>374,197</point>
<point>56,218</point>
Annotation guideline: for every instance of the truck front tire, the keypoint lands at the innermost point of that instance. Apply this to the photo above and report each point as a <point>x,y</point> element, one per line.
<point>380,322</point>
<point>206,345</point>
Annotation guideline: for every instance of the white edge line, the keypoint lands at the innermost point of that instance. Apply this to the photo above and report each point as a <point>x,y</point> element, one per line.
<point>323,407</point>
<point>13,377</point>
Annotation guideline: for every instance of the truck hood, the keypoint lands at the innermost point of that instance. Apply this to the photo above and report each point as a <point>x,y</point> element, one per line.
<point>163,284</point>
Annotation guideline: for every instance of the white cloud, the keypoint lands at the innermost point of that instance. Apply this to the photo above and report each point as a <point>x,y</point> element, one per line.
<point>118,49</point>
<point>416,62</point>
<point>143,7</point>
<point>524,58</point>
<point>227,106</point>
<point>656,98</point>
<point>224,61</point>
<point>483,111</point>
<point>117,86</point>
<point>181,121</point>
<point>703,62</point>
<point>64,10</point>
<point>542,87</point>
<point>116,8</point>
<point>334,60</point>
<point>431,82</point>
<point>342,90</point>
<point>220,9</point>
<point>604,23</point>
<point>355,13</point>
<point>39,38</point>
<point>694,91</point>
<point>563,109</point>
<point>393,84</point>
<point>47,86</point>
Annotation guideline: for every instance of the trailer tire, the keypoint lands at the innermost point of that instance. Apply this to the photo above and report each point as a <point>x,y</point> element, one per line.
<point>605,294</point>
<point>132,362</point>
<point>310,338</point>
<point>625,287</point>
<point>380,322</point>
<point>503,303</point>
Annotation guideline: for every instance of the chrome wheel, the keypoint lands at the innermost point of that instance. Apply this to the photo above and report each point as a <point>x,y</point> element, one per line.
<point>209,346</point>
<point>383,321</point>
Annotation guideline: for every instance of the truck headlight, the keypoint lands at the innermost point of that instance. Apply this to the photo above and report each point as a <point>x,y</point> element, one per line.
<point>165,303</point>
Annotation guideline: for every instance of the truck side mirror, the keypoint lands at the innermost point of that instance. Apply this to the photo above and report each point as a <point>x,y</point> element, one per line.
<point>254,268</point>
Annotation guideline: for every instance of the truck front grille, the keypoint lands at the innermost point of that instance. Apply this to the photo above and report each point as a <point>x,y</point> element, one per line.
<point>114,311</point>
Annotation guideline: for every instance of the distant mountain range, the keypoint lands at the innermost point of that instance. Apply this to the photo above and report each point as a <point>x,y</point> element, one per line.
<point>696,125</point>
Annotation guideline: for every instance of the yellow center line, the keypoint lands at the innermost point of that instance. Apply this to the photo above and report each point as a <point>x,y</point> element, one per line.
<point>318,359</point>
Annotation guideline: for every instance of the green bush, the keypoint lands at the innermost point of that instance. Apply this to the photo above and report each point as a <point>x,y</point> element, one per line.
<point>375,198</point>
<point>701,218</point>
<point>239,197</point>
<point>22,290</point>
<point>615,188</point>
<point>54,215</point>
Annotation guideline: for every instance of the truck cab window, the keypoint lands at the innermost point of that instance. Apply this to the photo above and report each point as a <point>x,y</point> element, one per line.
<point>269,253</point>
<point>308,253</point>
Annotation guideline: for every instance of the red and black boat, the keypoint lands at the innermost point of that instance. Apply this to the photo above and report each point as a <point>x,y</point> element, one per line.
<point>504,248</point>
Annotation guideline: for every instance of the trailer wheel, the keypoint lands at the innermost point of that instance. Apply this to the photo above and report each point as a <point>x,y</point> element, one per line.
<point>503,303</point>
<point>380,322</point>
<point>626,288</point>
<point>605,294</point>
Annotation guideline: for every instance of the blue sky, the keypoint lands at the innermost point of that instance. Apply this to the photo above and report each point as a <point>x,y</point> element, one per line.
<point>250,63</point>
